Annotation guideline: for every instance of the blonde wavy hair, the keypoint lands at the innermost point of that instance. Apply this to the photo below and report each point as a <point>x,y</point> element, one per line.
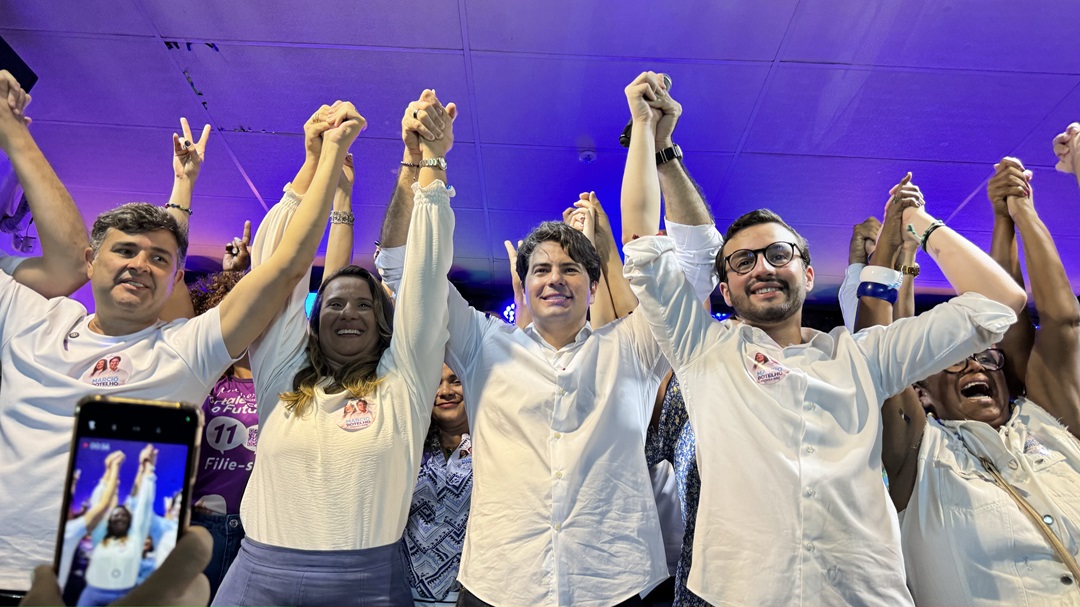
<point>360,375</point>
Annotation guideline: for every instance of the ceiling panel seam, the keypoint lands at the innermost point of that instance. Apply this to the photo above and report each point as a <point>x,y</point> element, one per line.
<point>1035,127</point>
<point>470,86</point>
<point>189,85</point>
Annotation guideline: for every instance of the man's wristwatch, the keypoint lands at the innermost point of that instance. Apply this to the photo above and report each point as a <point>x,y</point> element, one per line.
<point>912,270</point>
<point>668,154</point>
<point>435,163</point>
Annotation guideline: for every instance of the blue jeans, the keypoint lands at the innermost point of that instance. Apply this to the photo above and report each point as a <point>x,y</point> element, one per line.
<point>227,531</point>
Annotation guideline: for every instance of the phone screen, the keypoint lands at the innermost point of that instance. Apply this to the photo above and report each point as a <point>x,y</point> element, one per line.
<point>126,504</point>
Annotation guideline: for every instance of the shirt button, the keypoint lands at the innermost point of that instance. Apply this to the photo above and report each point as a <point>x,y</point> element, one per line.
<point>561,392</point>
<point>1066,579</point>
<point>1049,520</point>
<point>1013,465</point>
<point>810,493</point>
<point>558,527</point>
<point>809,448</point>
<point>809,547</point>
<point>558,474</point>
<point>557,435</point>
<point>809,406</point>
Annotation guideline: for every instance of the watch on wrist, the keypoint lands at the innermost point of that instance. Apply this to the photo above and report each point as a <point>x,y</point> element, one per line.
<point>435,163</point>
<point>666,155</point>
<point>912,270</point>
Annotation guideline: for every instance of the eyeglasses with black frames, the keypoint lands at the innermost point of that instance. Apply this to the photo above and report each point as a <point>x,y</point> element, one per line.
<point>778,254</point>
<point>991,359</point>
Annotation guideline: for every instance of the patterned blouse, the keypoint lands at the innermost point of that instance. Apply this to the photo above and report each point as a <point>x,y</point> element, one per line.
<point>673,440</point>
<point>435,531</point>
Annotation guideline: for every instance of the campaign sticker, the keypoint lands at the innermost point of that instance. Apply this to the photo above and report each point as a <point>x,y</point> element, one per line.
<point>764,370</point>
<point>356,415</point>
<point>110,371</point>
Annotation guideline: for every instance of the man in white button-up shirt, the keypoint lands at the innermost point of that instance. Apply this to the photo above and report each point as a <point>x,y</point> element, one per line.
<point>563,511</point>
<point>792,508</point>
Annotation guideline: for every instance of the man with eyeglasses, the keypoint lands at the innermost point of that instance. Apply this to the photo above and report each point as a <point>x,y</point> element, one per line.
<point>788,419</point>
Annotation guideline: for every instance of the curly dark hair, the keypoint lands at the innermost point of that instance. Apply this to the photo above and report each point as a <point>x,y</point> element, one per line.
<point>208,291</point>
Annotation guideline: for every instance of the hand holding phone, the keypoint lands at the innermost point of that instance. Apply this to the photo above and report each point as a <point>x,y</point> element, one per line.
<point>128,495</point>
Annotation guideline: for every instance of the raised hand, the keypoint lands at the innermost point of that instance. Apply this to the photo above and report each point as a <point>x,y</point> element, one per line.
<point>1067,150</point>
<point>643,96</point>
<point>343,123</point>
<point>188,155</point>
<point>423,119</point>
<point>1010,179</point>
<point>13,102</point>
<point>348,175</point>
<point>148,456</point>
<point>670,111</point>
<point>313,130</point>
<point>443,139</point>
<point>863,240</point>
<point>114,459</point>
<point>905,195</point>
<point>237,256</point>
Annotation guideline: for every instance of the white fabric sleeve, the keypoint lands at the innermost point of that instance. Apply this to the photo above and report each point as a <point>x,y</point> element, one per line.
<point>19,306</point>
<point>8,263</point>
<point>200,345</point>
<point>849,300</point>
<point>678,320</point>
<point>142,511</point>
<point>390,264</point>
<point>276,353</point>
<point>912,349</point>
<point>418,345</point>
<point>695,249</point>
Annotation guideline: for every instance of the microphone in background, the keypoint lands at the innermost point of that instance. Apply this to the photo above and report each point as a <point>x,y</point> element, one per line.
<point>624,139</point>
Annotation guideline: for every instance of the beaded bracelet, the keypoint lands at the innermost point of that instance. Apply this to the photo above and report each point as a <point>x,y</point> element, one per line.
<point>176,206</point>
<point>877,291</point>
<point>345,217</point>
<point>930,230</point>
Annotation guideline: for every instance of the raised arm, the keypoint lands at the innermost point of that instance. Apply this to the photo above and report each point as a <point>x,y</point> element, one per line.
<point>683,201</point>
<point>423,120</point>
<point>188,156</point>
<point>108,484</point>
<point>1020,338</point>
<point>640,201</point>
<point>522,316</point>
<point>339,245</point>
<point>1053,373</point>
<point>256,299</point>
<point>903,419</point>
<point>968,269</point>
<point>61,268</point>
<point>622,298</point>
<point>1067,150</point>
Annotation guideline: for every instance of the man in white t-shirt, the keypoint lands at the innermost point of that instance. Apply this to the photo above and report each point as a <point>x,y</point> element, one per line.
<point>134,262</point>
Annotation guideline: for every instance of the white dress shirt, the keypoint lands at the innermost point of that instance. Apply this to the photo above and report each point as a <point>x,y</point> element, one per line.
<point>965,540</point>
<point>563,511</point>
<point>792,508</point>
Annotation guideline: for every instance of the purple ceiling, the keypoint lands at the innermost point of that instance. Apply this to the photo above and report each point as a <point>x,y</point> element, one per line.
<point>813,108</point>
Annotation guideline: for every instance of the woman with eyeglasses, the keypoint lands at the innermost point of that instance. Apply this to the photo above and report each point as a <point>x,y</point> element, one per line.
<point>988,482</point>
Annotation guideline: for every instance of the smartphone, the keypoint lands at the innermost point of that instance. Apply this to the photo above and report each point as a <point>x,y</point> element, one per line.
<point>127,495</point>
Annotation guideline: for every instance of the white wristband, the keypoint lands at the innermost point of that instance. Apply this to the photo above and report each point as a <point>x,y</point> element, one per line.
<point>881,275</point>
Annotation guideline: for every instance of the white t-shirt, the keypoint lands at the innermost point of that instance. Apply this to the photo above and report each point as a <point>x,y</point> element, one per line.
<point>46,348</point>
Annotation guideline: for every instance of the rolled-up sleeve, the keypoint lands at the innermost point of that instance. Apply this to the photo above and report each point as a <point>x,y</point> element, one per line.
<point>848,294</point>
<point>695,249</point>
<point>912,349</point>
<point>391,263</point>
